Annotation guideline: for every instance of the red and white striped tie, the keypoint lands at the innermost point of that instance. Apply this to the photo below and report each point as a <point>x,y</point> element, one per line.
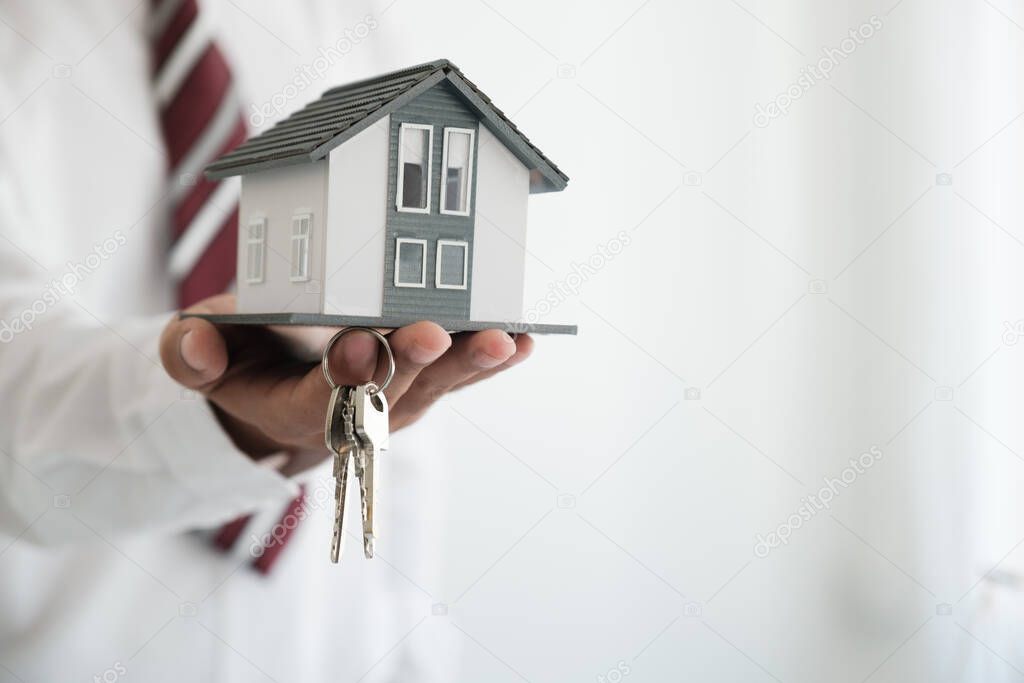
<point>201,119</point>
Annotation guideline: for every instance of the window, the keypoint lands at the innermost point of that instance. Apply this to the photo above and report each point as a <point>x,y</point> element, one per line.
<point>255,250</point>
<point>410,262</point>
<point>458,171</point>
<point>302,228</point>
<point>414,144</point>
<point>452,264</point>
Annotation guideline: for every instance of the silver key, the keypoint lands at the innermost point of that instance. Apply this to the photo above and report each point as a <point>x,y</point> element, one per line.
<point>340,438</point>
<point>372,431</point>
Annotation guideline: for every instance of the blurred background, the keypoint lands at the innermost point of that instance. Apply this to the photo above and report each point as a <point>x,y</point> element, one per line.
<point>802,284</point>
<point>786,444</point>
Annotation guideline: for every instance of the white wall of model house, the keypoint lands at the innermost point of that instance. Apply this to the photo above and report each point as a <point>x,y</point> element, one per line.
<point>357,203</point>
<point>499,232</point>
<point>274,199</point>
<point>346,197</point>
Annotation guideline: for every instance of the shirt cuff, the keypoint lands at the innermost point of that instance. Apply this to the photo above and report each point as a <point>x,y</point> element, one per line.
<point>220,481</point>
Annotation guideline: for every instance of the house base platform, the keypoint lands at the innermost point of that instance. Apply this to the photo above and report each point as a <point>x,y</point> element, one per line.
<point>325,320</point>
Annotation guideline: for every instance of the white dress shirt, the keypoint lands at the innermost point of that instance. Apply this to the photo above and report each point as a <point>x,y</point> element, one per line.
<point>109,471</point>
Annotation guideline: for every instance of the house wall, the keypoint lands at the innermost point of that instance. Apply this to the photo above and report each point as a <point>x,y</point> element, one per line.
<point>440,106</point>
<point>499,254</point>
<point>357,189</point>
<point>279,194</point>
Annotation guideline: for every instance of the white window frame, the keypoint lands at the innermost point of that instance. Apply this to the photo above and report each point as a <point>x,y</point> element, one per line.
<point>401,166</point>
<point>469,172</point>
<point>465,264</point>
<point>423,266</point>
<point>300,271</point>
<point>260,243</point>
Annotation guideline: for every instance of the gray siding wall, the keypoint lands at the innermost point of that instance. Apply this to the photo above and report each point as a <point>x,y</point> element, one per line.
<point>440,106</point>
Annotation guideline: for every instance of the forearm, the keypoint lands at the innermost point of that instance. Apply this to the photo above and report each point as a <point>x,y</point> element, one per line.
<point>89,413</point>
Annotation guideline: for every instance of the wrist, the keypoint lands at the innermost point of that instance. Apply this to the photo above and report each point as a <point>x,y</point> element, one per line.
<point>246,437</point>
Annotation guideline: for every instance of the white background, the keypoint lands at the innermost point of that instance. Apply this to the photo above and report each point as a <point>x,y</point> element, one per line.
<point>730,225</point>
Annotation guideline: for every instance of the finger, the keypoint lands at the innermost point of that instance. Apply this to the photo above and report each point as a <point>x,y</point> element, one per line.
<point>524,348</point>
<point>193,351</point>
<point>358,358</point>
<point>414,347</point>
<point>296,404</point>
<point>469,355</point>
<point>352,359</point>
<point>289,400</point>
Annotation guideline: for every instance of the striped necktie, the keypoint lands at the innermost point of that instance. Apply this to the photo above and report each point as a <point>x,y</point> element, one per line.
<point>201,119</point>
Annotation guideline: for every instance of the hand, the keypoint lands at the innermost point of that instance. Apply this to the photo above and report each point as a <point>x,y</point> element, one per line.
<point>269,399</point>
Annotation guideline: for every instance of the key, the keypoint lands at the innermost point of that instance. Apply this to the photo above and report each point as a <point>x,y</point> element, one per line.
<point>356,430</point>
<point>372,432</point>
<point>340,439</point>
<point>331,430</point>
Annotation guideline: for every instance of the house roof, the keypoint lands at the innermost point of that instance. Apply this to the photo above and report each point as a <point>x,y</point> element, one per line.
<point>311,133</point>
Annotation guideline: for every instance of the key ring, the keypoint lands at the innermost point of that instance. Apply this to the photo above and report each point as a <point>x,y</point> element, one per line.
<point>380,337</point>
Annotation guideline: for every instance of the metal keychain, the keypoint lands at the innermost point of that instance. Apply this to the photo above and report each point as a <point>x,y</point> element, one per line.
<point>380,337</point>
<point>357,432</point>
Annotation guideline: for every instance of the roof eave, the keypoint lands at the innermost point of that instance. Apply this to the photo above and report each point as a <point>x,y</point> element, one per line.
<point>319,152</point>
<point>539,183</point>
<point>242,169</point>
<point>551,179</point>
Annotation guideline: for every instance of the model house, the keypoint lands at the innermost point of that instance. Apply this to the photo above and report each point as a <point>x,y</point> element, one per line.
<point>389,200</point>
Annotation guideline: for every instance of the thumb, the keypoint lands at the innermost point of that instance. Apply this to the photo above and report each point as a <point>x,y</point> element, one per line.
<point>193,351</point>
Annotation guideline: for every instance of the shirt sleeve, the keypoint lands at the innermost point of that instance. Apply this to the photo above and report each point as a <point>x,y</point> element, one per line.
<point>95,437</point>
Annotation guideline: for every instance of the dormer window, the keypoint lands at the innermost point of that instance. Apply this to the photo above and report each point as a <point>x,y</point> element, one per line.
<point>457,163</point>
<point>413,189</point>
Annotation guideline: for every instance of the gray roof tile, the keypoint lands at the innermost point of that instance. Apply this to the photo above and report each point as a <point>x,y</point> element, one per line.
<point>312,132</point>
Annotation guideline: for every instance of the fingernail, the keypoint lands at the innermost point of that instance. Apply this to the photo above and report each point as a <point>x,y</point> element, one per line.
<point>421,355</point>
<point>485,360</point>
<point>515,359</point>
<point>189,352</point>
